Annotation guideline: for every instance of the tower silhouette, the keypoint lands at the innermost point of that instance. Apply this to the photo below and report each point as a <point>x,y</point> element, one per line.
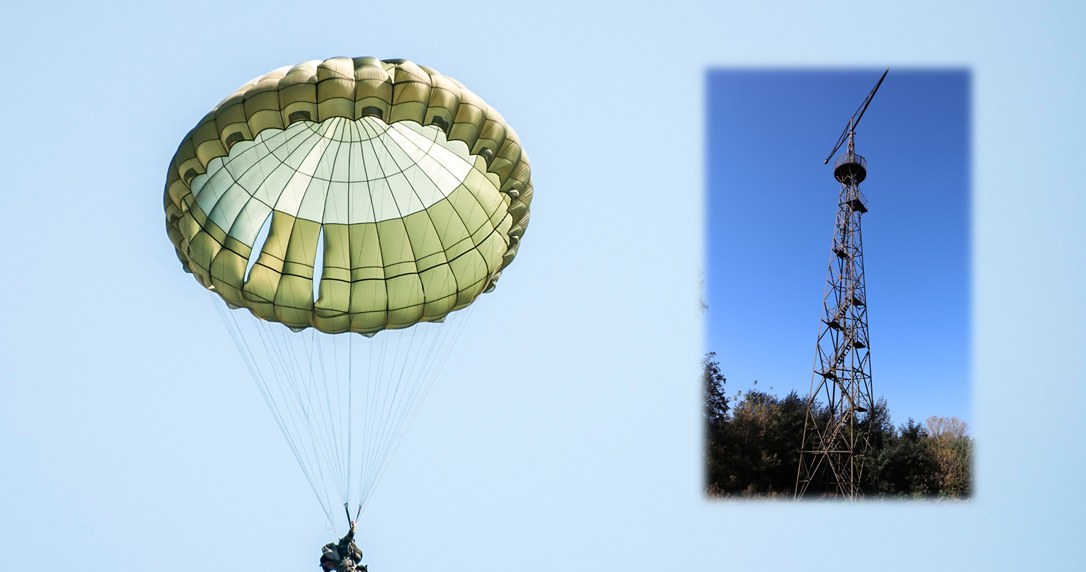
<point>836,439</point>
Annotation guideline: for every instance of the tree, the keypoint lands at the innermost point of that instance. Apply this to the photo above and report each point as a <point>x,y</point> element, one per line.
<point>905,465</point>
<point>715,413</point>
<point>880,434</point>
<point>952,452</point>
<point>716,403</point>
<point>757,446</point>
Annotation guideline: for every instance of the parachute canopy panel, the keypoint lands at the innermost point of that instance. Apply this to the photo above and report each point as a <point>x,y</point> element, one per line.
<point>400,193</point>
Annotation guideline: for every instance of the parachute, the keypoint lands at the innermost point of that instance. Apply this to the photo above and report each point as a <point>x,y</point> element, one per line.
<point>342,197</point>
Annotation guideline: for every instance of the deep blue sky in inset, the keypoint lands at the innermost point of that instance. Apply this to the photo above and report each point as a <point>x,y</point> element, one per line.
<point>770,216</point>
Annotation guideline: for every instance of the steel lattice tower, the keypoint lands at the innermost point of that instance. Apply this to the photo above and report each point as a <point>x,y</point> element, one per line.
<point>836,444</point>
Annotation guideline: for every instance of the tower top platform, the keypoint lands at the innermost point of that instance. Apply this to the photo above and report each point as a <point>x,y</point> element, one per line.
<point>850,168</point>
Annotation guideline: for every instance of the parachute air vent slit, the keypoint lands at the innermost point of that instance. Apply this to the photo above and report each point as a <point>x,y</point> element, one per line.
<point>318,265</point>
<point>258,246</point>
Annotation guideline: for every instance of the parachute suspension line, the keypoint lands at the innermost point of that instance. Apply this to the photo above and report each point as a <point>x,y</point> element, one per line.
<point>362,493</point>
<point>292,371</point>
<point>322,452</point>
<point>350,419</point>
<point>373,410</point>
<point>328,433</point>
<point>245,350</point>
<point>385,410</point>
<point>392,392</point>
<point>389,401</point>
<point>440,348</point>
<point>331,418</point>
<point>373,394</point>
<point>327,448</point>
<point>441,344</point>
<point>373,373</point>
<point>312,399</point>
<point>391,412</point>
<point>283,419</point>
<point>327,436</point>
<point>375,388</point>
<point>337,419</point>
<point>278,350</point>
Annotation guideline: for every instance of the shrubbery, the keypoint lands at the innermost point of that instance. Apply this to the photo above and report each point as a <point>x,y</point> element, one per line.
<point>752,443</point>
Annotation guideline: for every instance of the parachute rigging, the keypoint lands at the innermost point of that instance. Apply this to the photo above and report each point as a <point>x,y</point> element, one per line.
<point>306,378</point>
<point>341,197</point>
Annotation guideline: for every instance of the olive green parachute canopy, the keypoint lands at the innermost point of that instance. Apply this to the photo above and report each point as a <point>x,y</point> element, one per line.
<point>400,192</point>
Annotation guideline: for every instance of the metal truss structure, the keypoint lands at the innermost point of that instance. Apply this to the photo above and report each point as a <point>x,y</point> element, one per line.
<point>835,440</point>
<point>836,446</point>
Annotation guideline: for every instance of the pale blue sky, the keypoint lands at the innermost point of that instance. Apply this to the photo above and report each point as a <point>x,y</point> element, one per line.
<point>770,211</point>
<point>566,432</point>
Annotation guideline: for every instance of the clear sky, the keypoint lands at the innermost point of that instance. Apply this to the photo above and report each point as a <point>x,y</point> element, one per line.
<point>566,431</point>
<point>771,206</point>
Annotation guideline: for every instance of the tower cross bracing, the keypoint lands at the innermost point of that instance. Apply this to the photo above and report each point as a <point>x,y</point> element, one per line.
<point>836,447</point>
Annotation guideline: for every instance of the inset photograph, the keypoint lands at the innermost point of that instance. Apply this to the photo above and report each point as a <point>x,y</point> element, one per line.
<point>837,284</point>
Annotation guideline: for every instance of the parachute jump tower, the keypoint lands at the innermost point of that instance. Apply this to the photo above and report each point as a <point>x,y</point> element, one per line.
<point>836,441</point>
